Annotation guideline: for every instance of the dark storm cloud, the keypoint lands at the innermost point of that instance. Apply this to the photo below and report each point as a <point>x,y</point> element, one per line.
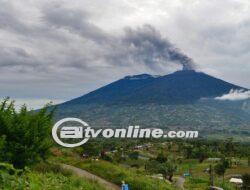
<point>11,57</point>
<point>75,21</point>
<point>8,19</point>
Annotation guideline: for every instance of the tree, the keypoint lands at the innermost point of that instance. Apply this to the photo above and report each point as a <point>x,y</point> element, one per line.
<point>153,167</point>
<point>119,155</point>
<point>201,153</point>
<point>188,149</point>
<point>167,169</point>
<point>106,157</point>
<point>220,169</point>
<point>228,147</point>
<point>2,142</point>
<point>246,181</point>
<point>170,169</point>
<point>25,134</point>
<point>226,162</point>
<point>161,158</point>
<point>92,148</point>
<point>2,145</point>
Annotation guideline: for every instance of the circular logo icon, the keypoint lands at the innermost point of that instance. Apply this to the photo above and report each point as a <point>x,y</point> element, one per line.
<point>70,132</point>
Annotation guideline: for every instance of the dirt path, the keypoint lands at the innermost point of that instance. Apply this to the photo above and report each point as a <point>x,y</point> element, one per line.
<point>82,173</point>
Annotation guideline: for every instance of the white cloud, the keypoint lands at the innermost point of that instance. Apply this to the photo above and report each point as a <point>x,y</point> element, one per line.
<point>235,95</point>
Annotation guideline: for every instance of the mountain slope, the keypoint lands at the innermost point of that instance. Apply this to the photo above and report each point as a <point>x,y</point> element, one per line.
<point>177,88</point>
<point>115,91</point>
<point>181,100</point>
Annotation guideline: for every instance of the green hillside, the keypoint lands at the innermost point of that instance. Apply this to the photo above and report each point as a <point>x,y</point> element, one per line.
<point>207,116</point>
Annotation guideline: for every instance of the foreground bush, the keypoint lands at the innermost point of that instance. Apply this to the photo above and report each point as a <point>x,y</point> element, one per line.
<point>24,136</point>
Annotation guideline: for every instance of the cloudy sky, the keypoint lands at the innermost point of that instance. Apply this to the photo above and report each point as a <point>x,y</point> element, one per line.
<point>57,50</point>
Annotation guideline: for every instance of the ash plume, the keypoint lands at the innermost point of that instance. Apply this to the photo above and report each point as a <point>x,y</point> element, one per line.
<point>147,46</point>
<point>141,48</point>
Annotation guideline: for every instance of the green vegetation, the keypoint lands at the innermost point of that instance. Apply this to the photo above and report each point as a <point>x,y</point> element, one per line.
<point>24,136</point>
<point>28,157</point>
<point>25,142</point>
<point>161,163</point>
<point>11,178</point>
<point>220,168</point>
<point>136,179</point>
<point>212,119</point>
<point>246,181</point>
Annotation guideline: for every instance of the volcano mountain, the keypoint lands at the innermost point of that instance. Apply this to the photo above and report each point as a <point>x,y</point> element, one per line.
<point>183,99</point>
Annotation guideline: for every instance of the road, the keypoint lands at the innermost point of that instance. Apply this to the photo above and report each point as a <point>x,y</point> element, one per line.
<point>83,173</point>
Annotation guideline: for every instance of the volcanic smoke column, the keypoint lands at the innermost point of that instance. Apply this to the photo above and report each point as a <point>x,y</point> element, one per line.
<point>146,45</point>
<point>186,62</point>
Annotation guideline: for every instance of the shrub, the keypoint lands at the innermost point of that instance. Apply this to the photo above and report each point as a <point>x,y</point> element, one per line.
<point>24,136</point>
<point>44,167</point>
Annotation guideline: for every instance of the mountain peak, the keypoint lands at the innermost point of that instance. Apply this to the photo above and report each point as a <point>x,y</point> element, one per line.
<point>185,72</point>
<point>141,76</point>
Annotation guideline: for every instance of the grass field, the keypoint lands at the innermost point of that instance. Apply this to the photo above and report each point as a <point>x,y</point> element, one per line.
<point>136,178</point>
